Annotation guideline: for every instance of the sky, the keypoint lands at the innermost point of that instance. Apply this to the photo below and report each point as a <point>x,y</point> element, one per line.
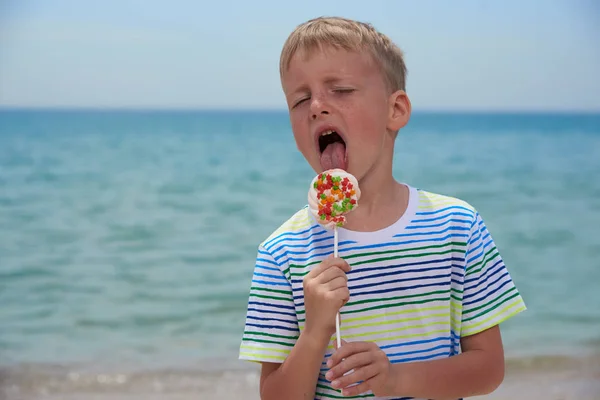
<point>461,55</point>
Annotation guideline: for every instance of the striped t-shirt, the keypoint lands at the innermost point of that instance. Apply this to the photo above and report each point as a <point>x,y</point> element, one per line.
<point>416,287</point>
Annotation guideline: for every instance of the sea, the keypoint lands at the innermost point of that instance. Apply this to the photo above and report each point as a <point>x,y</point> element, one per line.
<point>128,237</point>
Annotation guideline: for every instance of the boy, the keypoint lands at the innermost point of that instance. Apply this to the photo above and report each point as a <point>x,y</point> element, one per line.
<point>419,284</point>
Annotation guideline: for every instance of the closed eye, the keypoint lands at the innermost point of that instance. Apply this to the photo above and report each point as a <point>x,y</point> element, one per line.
<point>298,102</point>
<point>344,90</point>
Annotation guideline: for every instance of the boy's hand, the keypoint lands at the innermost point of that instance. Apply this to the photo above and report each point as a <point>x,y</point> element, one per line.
<point>371,367</point>
<point>325,292</point>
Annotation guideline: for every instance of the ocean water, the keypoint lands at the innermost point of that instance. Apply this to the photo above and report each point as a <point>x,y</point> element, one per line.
<point>127,239</point>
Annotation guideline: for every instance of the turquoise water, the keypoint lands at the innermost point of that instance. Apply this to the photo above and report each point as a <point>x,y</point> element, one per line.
<point>128,238</point>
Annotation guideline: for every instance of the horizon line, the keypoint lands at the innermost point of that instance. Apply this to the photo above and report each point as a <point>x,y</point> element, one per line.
<point>424,110</point>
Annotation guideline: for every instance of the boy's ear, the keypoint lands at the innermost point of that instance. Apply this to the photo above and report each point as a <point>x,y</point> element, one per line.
<point>399,110</point>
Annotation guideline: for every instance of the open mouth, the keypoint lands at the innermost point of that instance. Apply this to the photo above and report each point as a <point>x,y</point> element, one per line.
<point>333,150</point>
<point>329,137</point>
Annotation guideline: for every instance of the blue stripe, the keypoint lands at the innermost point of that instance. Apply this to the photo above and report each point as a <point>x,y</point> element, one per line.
<point>263,252</point>
<point>263,304</point>
<point>408,353</point>
<point>485,296</point>
<point>304,239</point>
<point>279,277</point>
<point>444,216</point>
<point>363,270</point>
<point>437,225</point>
<point>480,254</point>
<point>286,283</point>
<point>378,245</point>
<point>422,358</point>
<point>268,268</point>
<point>266,261</point>
<point>272,319</point>
<point>262,311</point>
<point>286,328</point>
<point>397,289</point>
<point>381,291</point>
<point>476,248</point>
<point>311,248</point>
<point>483,279</point>
<point>417,342</point>
<point>292,233</point>
<point>416,278</point>
<point>450,228</point>
<point>394,273</point>
<point>442,210</point>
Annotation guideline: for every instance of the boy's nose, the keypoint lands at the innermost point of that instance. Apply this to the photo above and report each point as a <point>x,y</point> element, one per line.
<point>318,107</point>
<point>316,115</point>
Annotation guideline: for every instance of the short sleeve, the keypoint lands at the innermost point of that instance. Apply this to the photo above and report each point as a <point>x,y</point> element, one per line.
<point>271,327</point>
<point>489,293</point>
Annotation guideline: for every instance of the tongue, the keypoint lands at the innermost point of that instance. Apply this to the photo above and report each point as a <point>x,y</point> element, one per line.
<point>334,156</point>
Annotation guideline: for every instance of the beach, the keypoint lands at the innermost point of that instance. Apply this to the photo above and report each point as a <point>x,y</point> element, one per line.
<point>550,379</point>
<point>129,238</point>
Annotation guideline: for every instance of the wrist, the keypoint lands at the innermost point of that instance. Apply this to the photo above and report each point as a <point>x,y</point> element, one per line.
<point>316,338</point>
<point>401,379</point>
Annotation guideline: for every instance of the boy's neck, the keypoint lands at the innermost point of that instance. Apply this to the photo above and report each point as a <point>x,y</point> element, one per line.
<point>382,202</point>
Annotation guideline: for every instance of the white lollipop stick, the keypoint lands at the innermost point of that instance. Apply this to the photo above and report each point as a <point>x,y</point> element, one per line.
<point>337,316</point>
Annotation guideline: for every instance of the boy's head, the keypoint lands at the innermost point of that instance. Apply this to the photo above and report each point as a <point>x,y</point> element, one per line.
<point>344,76</point>
<point>352,36</point>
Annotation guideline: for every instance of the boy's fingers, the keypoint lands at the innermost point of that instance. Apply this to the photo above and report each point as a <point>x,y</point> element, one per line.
<point>330,274</point>
<point>347,350</point>
<point>328,263</point>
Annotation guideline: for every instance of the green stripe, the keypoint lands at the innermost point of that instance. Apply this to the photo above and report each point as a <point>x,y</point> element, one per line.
<point>293,337</point>
<point>246,339</point>
<point>470,269</point>
<point>495,318</point>
<point>270,297</point>
<point>467,309</point>
<point>492,308</point>
<point>385,306</point>
<point>253,288</point>
<point>387,300</point>
<point>404,250</point>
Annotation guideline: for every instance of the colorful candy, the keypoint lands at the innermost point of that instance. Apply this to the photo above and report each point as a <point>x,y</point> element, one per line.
<point>333,194</point>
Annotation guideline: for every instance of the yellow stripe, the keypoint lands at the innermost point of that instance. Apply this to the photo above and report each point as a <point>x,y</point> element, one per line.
<point>261,356</point>
<point>443,204</point>
<point>394,330</point>
<point>419,318</point>
<point>394,313</point>
<point>247,347</point>
<point>299,221</point>
<point>412,335</point>
<point>518,302</point>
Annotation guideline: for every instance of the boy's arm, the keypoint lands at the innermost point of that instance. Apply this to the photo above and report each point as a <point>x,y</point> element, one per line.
<point>478,370</point>
<point>325,290</point>
<point>297,375</point>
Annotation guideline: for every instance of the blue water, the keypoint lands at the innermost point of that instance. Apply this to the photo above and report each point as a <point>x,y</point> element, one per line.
<point>130,237</point>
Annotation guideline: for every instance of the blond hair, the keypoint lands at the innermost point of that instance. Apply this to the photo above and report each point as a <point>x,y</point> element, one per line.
<point>342,33</point>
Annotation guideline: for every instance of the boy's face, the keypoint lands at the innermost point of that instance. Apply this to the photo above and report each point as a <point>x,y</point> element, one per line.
<point>336,90</point>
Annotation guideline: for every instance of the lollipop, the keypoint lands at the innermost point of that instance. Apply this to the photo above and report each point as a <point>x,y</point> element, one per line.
<point>332,195</point>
